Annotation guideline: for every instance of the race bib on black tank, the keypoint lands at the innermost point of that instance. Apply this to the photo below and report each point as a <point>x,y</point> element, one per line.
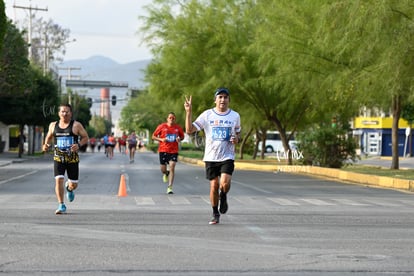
<point>64,142</point>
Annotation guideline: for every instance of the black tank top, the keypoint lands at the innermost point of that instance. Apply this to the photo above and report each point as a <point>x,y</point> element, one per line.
<point>64,138</point>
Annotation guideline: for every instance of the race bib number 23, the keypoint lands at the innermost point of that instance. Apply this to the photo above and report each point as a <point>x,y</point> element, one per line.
<point>221,133</point>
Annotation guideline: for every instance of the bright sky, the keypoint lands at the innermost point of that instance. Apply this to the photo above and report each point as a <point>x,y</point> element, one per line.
<point>100,27</point>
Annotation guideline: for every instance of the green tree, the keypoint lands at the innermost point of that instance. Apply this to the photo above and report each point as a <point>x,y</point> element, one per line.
<point>40,105</point>
<point>34,108</point>
<point>304,86</point>
<point>143,112</point>
<point>3,23</point>
<point>374,39</point>
<point>15,72</point>
<point>211,43</point>
<point>296,64</point>
<point>100,125</point>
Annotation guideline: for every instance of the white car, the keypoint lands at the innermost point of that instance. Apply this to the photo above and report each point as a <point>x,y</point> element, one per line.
<point>274,143</point>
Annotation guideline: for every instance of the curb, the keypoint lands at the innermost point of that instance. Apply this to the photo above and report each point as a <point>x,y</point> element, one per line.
<point>5,163</point>
<point>347,177</point>
<point>11,161</point>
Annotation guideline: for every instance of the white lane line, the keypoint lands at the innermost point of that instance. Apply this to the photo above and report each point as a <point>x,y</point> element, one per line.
<point>206,199</point>
<point>144,200</point>
<point>348,202</point>
<point>178,200</point>
<point>170,240</point>
<point>283,201</point>
<point>261,233</point>
<point>251,186</point>
<point>381,202</point>
<point>18,177</point>
<point>315,201</point>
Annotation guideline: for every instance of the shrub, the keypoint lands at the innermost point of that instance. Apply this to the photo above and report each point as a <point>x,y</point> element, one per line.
<point>327,147</point>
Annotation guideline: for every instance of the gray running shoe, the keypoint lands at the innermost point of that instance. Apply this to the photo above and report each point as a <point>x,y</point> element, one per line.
<point>215,219</point>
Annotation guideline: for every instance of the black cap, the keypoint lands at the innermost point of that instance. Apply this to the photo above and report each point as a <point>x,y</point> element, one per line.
<point>222,90</point>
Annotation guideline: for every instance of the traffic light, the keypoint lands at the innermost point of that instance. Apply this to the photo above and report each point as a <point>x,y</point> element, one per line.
<point>113,100</point>
<point>334,122</point>
<point>89,101</point>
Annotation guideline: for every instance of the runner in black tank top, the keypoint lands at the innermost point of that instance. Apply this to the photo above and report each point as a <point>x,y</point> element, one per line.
<point>64,139</point>
<point>65,134</point>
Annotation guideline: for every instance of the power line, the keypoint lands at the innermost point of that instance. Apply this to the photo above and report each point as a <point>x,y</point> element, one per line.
<point>30,8</point>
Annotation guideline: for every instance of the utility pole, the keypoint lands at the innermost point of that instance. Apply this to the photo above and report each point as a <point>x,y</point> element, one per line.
<point>30,8</point>
<point>69,75</point>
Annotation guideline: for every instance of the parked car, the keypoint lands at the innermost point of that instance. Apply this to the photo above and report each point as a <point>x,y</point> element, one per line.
<point>274,143</point>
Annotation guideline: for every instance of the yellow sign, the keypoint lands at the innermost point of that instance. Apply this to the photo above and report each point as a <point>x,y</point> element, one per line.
<point>377,122</point>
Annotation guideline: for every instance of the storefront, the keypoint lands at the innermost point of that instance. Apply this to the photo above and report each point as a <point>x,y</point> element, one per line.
<point>375,136</point>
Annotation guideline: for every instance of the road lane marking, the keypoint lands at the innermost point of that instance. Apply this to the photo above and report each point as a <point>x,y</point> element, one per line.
<point>345,201</point>
<point>206,199</point>
<point>261,233</point>
<point>315,201</point>
<point>138,238</point>
<point>178,200</point>
<point>381,202</point>
<point>250,186</point>
<point>144,200</point>
<point>283,201</point>
<point>18,177</point>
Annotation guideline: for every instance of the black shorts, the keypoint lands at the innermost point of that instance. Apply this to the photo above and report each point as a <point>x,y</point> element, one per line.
<point>215,169</point>
<point>72,169</point>
<point>166,157</point>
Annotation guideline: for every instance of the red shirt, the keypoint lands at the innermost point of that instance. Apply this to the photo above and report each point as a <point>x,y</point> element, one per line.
<point>122,140</point>
<point>171,133</point>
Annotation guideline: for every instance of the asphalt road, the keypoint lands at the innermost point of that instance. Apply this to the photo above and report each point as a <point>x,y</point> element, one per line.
<point>277,224</point>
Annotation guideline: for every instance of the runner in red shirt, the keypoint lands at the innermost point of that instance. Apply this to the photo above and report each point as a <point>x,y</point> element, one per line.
<point>122,143</point>
<point>168,135</point>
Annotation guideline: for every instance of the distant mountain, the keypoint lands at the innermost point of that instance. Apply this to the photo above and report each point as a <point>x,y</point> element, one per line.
<point>105,69</point>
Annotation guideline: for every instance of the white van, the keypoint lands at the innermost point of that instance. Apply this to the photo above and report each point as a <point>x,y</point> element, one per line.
<point>274,143</point>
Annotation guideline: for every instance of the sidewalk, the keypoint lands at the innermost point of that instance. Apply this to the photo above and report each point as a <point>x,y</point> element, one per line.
<point>406,163</point>
<point>7,158</point>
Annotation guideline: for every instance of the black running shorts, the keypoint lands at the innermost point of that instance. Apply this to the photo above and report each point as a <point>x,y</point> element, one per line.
<point>214,169</point>
<point>72,169</point>
<point>166,157</point>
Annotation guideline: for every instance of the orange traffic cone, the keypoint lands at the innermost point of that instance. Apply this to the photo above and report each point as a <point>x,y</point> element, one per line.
<point>122,187</point>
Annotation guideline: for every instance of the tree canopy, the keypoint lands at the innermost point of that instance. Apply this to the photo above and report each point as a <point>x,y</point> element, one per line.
<point>295,64</point>
<point>15,71</point>
<point>3,23</point>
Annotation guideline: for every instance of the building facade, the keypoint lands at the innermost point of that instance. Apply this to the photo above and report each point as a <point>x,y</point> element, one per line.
<point>374,136</point>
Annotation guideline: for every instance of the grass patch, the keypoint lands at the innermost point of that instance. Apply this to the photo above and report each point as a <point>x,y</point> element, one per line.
<point>196,154</point>
<point>380,171</point>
